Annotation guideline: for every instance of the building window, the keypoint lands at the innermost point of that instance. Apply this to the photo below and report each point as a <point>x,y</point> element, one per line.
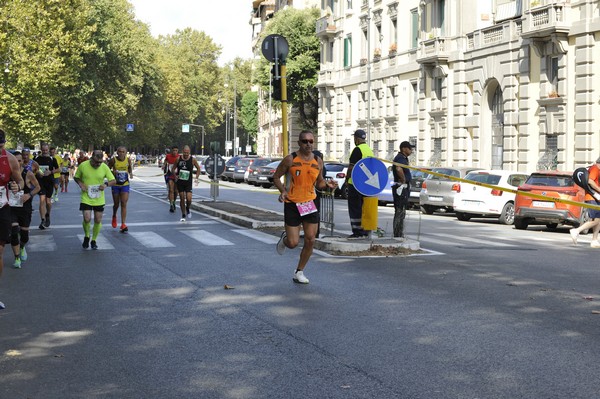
<point>328,149</point>
<point>437,88</point>
<point>414,106</point>
<point>364,44</point>
<point>394,31</point>
<point>348,107</point>
<point>330,52</point>
<point>348,4</point>
<point>553,72</point>
<point>414,25</point>
<point>348,51</point>
<point>433,18</point>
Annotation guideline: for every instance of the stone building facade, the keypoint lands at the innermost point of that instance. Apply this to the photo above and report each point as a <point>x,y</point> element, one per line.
<point>503,84</point>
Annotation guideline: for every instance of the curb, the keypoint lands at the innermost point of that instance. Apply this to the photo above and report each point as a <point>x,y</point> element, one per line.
<point>346,245</point>
<point>237,219</point>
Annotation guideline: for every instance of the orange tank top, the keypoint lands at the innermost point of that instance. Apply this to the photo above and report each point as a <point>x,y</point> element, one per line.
<point>302,176</point>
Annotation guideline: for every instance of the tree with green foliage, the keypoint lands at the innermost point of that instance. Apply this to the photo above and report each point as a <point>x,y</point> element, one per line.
<point>249,114</point>
<point>302,64</point>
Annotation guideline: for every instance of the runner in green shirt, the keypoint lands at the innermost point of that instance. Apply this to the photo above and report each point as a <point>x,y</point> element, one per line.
<point>93,177</point>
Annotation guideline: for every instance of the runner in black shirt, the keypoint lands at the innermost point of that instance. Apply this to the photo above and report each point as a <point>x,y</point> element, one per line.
<point>48,166</point>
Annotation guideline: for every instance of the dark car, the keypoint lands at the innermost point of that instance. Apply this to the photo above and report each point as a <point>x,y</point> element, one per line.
<point>242,167</point>
<point>337,171</point>
<point>230,168</point>
<point>253,169</point>
<point>265,174</point>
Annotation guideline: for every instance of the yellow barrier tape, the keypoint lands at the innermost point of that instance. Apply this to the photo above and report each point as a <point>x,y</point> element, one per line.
<point>508,190</point>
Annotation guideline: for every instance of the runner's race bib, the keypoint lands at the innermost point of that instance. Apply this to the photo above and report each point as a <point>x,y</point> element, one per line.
<point>44,168</point>
<point>64,169</point>
<point>94,191</point>
<point>184,175</point>
<point>306,208</point>
<point>121,176</point>
<point>3,196</point>
<point>15,200</point>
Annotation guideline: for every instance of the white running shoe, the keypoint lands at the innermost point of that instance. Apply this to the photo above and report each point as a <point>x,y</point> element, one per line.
<point>189,215</point>
<point>300,278</point>
<point>280,244</point>
<point>574,234</point>
<point>182,220</point>
<point>595,244</point>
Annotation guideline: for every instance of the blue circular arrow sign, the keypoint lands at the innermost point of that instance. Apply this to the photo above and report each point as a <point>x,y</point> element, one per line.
<point>369,176</point>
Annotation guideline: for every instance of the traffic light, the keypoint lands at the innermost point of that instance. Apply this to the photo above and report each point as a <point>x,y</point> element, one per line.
<point>276,83</point>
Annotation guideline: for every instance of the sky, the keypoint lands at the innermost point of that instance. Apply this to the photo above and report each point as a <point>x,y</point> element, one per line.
<point>225,21</point>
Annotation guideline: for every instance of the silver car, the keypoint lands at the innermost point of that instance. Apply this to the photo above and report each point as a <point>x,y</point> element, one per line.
<point>438,192</point>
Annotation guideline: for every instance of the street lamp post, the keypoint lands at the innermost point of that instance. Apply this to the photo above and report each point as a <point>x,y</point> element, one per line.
<point>187,131</point>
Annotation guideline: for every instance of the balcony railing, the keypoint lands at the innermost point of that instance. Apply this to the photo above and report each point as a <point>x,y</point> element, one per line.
<point>545,20</point>
<point>434,50</point>
<point>325,26</point>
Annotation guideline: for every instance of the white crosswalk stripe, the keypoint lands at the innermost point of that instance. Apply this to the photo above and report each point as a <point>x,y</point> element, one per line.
<point>207,238</point>
<point>41,243</point>
<point>102,242</point>
<point>150,239</point>
<point>258,236</point>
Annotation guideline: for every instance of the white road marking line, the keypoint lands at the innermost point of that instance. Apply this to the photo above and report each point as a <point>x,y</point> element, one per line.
<point>41,243</point>
<point>102,242</point>
<point>258,236</point>
<point>207,238</point>
<point>469,240</point>
<point>150,239</point>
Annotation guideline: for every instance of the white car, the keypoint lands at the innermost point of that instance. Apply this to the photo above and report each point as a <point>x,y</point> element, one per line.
<point>337,171</point>
<point>479,201</point>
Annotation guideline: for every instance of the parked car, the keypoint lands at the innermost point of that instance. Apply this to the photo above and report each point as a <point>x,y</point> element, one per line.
<point>385,196</point>
<point>553,184</point>
<point>242,166</point>
<point>253,170</point>
<point>438,192</point>
<point>337,171</point>
<point>479,201</point>
<point>417,177</point>
<point>227,174</point>
<point>265,174</point>
<point>201,159</point>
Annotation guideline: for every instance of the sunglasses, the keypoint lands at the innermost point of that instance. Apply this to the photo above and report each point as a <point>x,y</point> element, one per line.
<point>306,141</point>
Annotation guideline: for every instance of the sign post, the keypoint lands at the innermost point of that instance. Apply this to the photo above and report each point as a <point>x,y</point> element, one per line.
<point>185,128</point>
<point>275,48</point>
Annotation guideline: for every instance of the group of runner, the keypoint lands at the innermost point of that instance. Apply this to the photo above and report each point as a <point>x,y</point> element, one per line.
<point>178,170</point>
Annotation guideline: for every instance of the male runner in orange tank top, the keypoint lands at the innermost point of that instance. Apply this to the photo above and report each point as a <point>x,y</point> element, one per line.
<point>302,173</point>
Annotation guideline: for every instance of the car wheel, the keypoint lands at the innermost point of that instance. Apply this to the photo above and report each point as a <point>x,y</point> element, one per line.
<point>521,223</point>
<point>344,191</point>
<point>427,209</point>
<point>508,214</point>
<point>266,185</point>
<point>551,226</point>
<point>463,217</point>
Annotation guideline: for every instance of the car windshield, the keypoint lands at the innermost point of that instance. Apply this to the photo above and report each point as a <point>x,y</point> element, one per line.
<point>483,178</point>
<point>334,167</point>
<point>261,162</point>
<point>444,171</point>
<point>274,164</point>
<point>550,180</point>
<point>416,174</point>
<point>244,162</point>
<point>232,161</point>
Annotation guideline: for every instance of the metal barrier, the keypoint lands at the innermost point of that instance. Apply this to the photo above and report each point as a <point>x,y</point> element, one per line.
<point>326,209</point>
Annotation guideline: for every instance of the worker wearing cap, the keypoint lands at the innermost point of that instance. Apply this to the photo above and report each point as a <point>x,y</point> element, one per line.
<point>355,199</point>
<point>401,187</point>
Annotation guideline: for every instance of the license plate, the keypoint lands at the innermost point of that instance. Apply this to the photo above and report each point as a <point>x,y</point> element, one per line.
<point>436,199</point>
<point>414,194</point>
<point>262,178</point>
<point>543,204</point>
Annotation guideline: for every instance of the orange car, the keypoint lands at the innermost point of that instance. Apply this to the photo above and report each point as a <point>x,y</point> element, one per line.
<point>553,184</point>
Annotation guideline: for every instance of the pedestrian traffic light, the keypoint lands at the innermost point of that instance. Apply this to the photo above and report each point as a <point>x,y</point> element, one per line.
<point>276,82</point>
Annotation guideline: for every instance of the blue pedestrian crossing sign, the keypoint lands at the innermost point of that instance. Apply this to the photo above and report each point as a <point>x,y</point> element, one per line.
<point>369,176</point>
<point>129,127</point>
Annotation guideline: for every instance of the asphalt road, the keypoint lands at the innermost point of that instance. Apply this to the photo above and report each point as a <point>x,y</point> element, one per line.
<point>485,312</point>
